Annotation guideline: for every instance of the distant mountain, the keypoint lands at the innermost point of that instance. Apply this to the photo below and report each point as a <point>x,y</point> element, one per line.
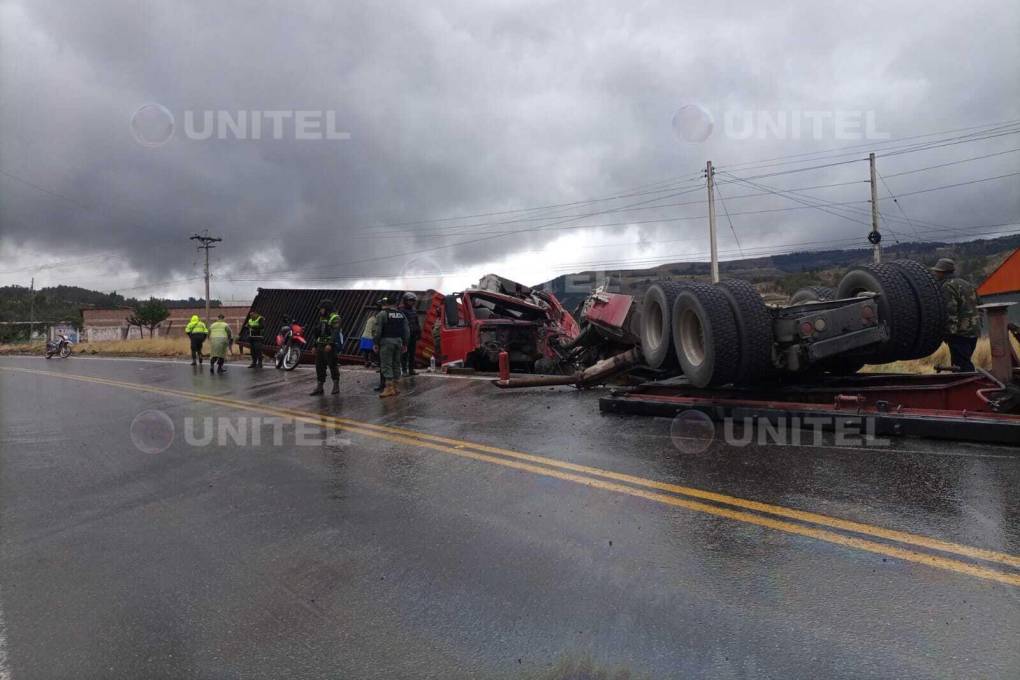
<point>781,275</point>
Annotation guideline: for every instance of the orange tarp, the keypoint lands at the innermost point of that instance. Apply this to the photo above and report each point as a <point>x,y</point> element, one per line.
<point>1005,279</point>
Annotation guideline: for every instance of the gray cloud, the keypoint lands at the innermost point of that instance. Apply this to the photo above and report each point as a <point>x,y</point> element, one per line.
<point>463,107</point>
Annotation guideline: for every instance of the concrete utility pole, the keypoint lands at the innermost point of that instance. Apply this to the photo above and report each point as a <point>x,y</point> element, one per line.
<point>710,179</point>
<point>31,306</point>
<point>206,242</point>
<point>875,237</point>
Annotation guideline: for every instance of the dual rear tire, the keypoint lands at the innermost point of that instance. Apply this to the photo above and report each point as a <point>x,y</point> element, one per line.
<point>714,334</point>
<point>910,302</point>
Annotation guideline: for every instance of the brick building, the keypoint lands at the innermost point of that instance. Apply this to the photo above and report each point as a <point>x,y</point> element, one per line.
<point>110,323</point>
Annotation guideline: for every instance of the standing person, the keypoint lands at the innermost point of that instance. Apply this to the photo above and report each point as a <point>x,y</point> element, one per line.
<point>328,340</point>
<point>254,325</point>
<point>409,307</point>
<point>197,331</point>
<point>220,338</point>
<point>367,340</point>
<point>391,335</point>
<point>962,322</point>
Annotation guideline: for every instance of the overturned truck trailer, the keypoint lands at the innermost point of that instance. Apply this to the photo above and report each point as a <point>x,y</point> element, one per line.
<point>354,308</point>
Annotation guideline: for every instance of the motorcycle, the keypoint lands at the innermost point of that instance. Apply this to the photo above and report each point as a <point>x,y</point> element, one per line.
<point>291,342</point>
<point>60,347</point>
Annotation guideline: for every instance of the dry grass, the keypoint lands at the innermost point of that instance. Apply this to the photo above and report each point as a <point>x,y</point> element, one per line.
<point>146,347</point>
<point>982,359</point>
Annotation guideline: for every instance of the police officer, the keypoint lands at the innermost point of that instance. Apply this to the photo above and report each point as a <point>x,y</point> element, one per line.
<point>409,307</point>
<point>197,331</point>
<point>254,328</point>
<point>963,322</point>
<point>391,335</point>
<point>327,338</point>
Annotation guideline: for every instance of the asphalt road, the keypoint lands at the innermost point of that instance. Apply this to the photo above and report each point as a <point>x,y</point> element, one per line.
<point>160,522</point>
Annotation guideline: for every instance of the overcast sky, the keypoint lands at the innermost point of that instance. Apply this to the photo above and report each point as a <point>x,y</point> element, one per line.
<point>460,108</point>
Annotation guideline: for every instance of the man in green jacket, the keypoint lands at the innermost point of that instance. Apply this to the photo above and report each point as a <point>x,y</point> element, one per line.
<point>391,335</point>
<point>327,338</point>
<point>963,322</point>
<point>197,331</point>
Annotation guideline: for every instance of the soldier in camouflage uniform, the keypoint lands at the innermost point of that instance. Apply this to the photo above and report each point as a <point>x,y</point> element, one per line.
<point>963,322</point>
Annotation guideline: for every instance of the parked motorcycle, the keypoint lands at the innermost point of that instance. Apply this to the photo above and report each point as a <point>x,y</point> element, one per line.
<point>291,342</point>
<point>60,347</point>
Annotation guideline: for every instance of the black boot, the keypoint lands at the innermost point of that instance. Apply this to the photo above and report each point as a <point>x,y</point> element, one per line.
<point>318,389</point>
<point>382,384</point>
<point>336,387</point>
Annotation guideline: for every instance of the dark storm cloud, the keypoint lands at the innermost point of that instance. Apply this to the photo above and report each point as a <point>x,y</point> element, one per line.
<point>462,107</point>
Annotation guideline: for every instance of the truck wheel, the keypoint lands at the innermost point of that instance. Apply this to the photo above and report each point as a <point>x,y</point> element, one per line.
<point>656,330</point>
<point>896,307</point>
<point>754,330</point>
<point>812,294</point>
<point>931,307</point>
<point>705,335</point>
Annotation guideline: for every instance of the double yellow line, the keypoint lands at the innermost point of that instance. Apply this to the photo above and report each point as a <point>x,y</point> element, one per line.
<point>897,544</point>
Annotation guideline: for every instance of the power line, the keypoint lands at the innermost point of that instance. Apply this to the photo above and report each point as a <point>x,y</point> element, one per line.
<point>962,160</point>
<point>873,144</point>
<point>728,219</point>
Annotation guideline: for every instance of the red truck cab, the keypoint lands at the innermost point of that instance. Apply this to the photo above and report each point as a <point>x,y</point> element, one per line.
<point>476,325</point>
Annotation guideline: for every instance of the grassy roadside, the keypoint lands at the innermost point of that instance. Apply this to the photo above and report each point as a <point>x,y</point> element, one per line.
<point>146,347</point>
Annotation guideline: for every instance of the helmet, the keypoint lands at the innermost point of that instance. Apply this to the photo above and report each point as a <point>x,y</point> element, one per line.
<point>944,265</point>
<point>410,296</point>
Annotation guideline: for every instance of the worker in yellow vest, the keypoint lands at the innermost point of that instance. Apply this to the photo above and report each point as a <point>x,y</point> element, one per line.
<point>254,327</point>
<point>197,331</point>
<point>221,338</point>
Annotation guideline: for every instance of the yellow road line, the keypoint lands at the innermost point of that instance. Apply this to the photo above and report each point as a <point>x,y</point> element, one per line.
<point>596,478</point>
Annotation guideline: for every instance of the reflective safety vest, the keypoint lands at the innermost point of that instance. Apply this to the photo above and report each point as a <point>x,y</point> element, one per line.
<point>325,329</point>
<point>219,329</point>
<point>196,325</point>
<point>255,325</point>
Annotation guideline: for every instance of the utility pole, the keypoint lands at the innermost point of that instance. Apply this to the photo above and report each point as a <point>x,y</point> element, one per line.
<point>710,177</point>
<point>875,237</point>
<point>206,242</point>
<point>31,306</point>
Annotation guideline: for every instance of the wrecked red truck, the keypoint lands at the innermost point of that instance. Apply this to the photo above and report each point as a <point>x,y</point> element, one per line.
<point>501,315</point>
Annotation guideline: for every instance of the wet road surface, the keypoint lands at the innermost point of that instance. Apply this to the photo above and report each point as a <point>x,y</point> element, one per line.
<point>465,532</point>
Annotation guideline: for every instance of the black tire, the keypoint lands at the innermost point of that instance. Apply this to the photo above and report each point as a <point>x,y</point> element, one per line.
<point>813,294</point>
<point>754,330</point>
<point>656,328</point>
<point>896,307</point>
<point>705,335</point>
<point>931,307</point>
